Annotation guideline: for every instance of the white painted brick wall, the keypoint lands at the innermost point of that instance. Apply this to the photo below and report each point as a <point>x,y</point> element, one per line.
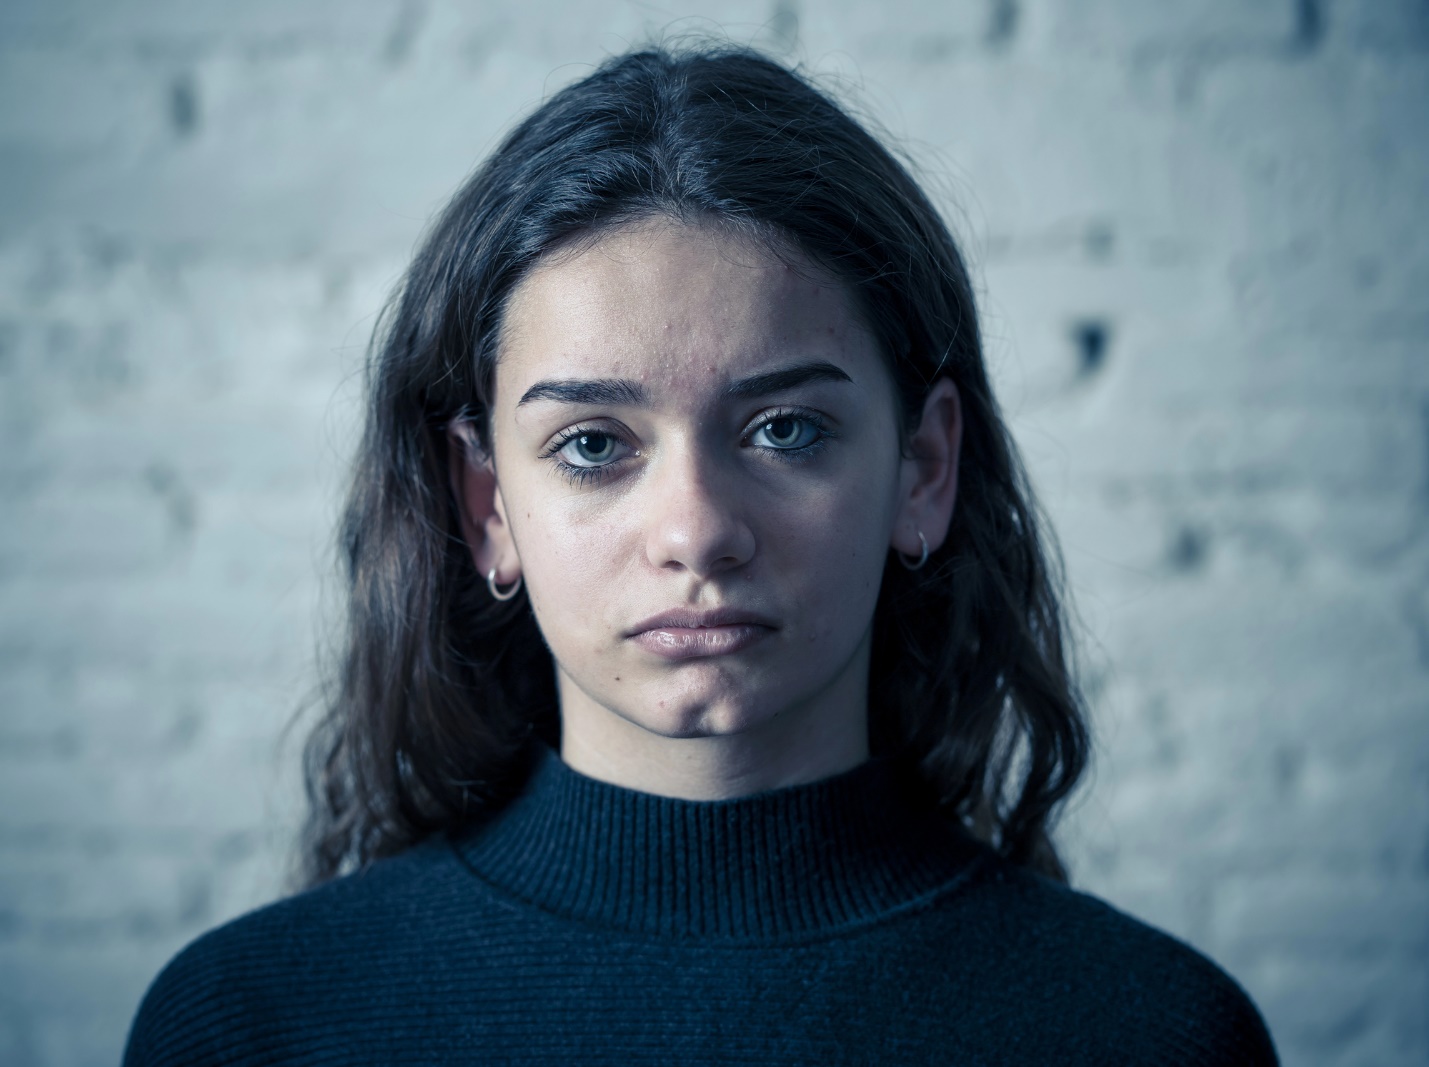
<point>202,206</point>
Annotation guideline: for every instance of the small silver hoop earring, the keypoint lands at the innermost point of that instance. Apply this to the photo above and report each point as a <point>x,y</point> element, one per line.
<point>498,593</point>
<point>904,559</point>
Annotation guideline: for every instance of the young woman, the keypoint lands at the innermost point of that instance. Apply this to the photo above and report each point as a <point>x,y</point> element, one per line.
<point>705,697</point>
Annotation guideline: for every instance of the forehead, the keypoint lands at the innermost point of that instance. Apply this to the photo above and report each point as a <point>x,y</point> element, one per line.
<point>674,306</point>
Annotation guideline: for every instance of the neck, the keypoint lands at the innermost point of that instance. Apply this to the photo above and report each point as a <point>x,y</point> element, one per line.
<point>793,862</point>
<point>803,743</point>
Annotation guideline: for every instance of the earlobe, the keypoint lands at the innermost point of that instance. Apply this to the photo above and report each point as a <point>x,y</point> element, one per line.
<point>929,475</point>
<point>479,506</point>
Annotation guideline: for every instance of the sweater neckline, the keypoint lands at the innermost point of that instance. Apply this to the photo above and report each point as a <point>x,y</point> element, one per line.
<point>788,863</point>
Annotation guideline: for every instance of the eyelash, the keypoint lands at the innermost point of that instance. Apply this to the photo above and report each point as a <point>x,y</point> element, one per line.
<point>576,475</point>
<point>589,475</point>
<point>803,452</point>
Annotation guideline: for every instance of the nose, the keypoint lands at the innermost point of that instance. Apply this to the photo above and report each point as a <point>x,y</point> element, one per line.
<point>696,521</point>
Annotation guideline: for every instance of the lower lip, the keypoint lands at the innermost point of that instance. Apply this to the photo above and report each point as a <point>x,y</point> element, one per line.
<point>678,642</point>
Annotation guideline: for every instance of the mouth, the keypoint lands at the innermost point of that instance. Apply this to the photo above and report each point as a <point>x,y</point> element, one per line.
<point>687,633</point>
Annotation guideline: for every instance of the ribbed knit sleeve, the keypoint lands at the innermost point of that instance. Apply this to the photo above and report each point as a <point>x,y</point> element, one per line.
<point>194,1013</point>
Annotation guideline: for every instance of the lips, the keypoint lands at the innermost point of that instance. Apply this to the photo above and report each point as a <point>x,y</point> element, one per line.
<point>686,633</point>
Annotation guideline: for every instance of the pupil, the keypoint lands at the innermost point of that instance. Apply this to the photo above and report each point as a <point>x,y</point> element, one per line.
<point>783,429</point>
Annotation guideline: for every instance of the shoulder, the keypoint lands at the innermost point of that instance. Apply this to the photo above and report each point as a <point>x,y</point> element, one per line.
<point>230,989</point>
<point>1150,996</point>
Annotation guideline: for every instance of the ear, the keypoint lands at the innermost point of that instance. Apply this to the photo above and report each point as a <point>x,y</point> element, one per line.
<point>928,479</point>
<point>479,505</point>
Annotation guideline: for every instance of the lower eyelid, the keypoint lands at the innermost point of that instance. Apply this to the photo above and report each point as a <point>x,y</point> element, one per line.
<point>582,475</point>
<point>796,455</point>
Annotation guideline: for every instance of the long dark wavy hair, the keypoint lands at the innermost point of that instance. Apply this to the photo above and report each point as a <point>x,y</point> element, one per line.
<point>441,693</point>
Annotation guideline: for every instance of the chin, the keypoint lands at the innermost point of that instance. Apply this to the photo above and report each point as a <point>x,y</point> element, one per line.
<point>685,716</point>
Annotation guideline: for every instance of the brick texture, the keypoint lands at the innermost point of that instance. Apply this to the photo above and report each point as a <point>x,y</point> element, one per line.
<point>1200,235</point>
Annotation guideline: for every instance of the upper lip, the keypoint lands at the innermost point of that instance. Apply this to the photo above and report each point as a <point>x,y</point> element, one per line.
<point>695,619</point>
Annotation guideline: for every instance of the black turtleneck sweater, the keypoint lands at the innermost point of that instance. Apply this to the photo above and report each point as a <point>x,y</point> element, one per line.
<point>836,922</point>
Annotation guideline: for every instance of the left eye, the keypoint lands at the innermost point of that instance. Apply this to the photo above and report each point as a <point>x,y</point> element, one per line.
<point>786,433</point>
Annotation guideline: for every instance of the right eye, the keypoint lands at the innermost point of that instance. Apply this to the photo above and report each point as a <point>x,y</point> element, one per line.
<point>589,449</point>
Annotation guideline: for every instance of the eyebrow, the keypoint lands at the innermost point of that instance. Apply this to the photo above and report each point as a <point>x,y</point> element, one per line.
<point>620,391</point>
<point>788,378</point>
<point>629,393</point>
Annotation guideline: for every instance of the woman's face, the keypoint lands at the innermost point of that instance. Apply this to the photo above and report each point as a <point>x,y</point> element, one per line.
<point>697,474</point>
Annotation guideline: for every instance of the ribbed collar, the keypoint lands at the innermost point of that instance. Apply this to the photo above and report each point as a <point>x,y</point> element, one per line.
<point>789,863</point>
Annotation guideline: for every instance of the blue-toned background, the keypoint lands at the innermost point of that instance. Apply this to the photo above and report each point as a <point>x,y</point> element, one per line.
<point>1200,235</point>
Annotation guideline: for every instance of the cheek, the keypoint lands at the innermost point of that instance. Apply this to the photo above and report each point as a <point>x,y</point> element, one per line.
<point>571,560</point>
<point>833,544</point>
